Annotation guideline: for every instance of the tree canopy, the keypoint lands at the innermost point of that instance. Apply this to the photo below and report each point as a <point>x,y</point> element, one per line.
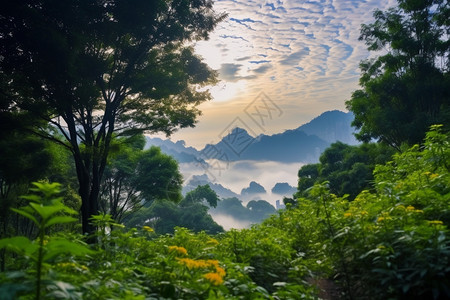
<point>347,169</point>
<point>134,177</point>
<point>406,88</point>
<point>94,68</point>
<point>201,194</point>
<point>192,212</point>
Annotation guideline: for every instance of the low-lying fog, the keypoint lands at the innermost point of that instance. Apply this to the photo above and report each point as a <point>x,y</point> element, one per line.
<point>238,175</point>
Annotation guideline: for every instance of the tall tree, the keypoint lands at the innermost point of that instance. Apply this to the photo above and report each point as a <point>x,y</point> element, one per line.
<point>406,89</point>
<point>92,68</point>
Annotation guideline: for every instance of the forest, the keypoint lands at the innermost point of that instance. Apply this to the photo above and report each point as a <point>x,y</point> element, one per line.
<point>87,212</point>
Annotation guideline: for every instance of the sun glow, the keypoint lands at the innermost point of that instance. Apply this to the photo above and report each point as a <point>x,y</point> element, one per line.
<point>226,91</point>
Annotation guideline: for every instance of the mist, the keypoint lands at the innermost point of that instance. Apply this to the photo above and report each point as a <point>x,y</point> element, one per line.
<point>228,222</point>
<point>238,175</point>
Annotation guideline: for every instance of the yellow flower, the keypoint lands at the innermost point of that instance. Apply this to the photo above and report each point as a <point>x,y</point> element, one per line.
<point>148,229</point>
<point>400,206</point>
<point>190,263</point>
<point>380,219</point>
<point>347,215</point>
<point>212,262</point>
<point>433,176</point>
<point>178,250</point>
<point>413,209</point>
<point>203,264</point>
<point>214,278</point>
<point>435,222</point>
<point>195,264</point>
<point>221,271</point>
<point>212,241</point>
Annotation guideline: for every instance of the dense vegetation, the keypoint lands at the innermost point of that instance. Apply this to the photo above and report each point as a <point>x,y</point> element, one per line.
<point>348,169</point>
<point>371,221</point>
<point>389,243</point>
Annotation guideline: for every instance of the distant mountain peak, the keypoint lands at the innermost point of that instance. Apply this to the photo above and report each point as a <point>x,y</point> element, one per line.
<point>253,188</point>
<point>237,131</point>
<point>332,126</point>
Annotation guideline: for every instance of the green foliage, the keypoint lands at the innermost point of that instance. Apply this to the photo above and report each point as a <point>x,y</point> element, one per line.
<point>159,177</point>
<point>201,194</point>
<point>389,243</point>
<point>348,169</point>
<point>93,70</point>
<point>261,208</point>
<point>393,242</point>
<point>254,212</point>
<point>192,212</point>
<point>135,177</point>
<point>405,90</point>
<point>45,209</point>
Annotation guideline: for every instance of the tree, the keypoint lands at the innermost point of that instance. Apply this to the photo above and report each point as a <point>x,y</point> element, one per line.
<point>97,68</point>
<point>260,209</point>
<point>406,89</point>
<point>158,176</point>
<point>135,176</point>
<point>192,213</point>
<point>307,177</point>
<point>201,194</point>
<point>347,169</point>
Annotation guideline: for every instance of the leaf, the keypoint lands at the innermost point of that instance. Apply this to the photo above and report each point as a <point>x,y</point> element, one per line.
<point>33,198</point>
<point>280,283</point>
<point>60,220</point>
<point>68,210</point>
<point>26,215</point>
<point>57,246</point>
<point>19,244</point>
<point>61,290</point>
<point>45,211</point>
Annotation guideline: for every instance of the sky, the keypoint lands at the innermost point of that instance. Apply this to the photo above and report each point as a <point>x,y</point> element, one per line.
<point>280,64</point>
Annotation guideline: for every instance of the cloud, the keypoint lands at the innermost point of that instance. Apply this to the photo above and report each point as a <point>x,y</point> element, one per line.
<point>295,58</point>
<point>230,72</point>
<point>262,69</point>
<point>259,61</point>
<point>243,58</point>
<point>235,37</point>
<point>305,53</point>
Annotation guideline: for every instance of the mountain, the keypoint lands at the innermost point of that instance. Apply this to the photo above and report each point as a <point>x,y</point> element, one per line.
<point>332,126</point>
<point>220,190</point>
<point>253,188</point>
<point>177,150</point>
<point>303,144</point>
<point>289,146</point>
<point>283,188</point>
